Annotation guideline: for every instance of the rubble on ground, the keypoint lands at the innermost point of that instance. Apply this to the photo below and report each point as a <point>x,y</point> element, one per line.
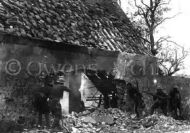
<point>115,121</point>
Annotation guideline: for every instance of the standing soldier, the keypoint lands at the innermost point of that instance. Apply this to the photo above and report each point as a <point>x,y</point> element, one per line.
<point>56,95</point>
<point>175,101</point>
<point>114,100</point>
<point>120,93</point>
<point>56,112</point>
<point>136,97</point>
<point>160,101</point>
<point>41,96</point>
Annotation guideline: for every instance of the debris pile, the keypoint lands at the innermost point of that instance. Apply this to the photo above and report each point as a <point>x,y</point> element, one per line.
<point>117,121</point>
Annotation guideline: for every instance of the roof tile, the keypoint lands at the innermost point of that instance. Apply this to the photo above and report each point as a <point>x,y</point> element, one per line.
<point>66,20</point>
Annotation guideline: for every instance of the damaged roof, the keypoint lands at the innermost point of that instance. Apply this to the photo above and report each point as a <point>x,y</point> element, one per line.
<point>73,21</point>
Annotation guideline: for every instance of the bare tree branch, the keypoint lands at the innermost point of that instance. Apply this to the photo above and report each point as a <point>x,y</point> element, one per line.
<point>164,19</point>
<point>142,1</point>
<point>165,3</point>
<point>151,15</point>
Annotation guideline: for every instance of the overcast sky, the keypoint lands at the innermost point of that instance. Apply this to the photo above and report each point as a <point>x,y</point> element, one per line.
<point>178,28</point>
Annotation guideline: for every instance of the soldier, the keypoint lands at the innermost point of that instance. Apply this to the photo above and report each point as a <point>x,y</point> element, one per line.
<point>56,95</point>
<point>40,102</point>
<point>120,92</point>
<point>56,112</point>
<point>136,97</point>
<point>50,78</point>
<point>106,100</point>
<point>114,100</point>
<point>175,101</point>
<point>160,101</point>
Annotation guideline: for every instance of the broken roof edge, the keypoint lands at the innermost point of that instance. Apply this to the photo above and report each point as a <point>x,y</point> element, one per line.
<point>53,45</point>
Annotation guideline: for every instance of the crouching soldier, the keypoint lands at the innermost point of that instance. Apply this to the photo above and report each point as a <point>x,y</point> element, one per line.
<point>175,102</point>
<point>160,101</point>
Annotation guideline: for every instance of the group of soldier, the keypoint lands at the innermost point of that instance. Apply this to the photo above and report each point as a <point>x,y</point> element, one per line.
<point>47,97</point>
<point>115,91</point>
<point>167,103</point>
<point>170,102</point>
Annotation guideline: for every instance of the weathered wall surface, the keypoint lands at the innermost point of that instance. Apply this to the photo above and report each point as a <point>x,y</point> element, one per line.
<point>23,59</point>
